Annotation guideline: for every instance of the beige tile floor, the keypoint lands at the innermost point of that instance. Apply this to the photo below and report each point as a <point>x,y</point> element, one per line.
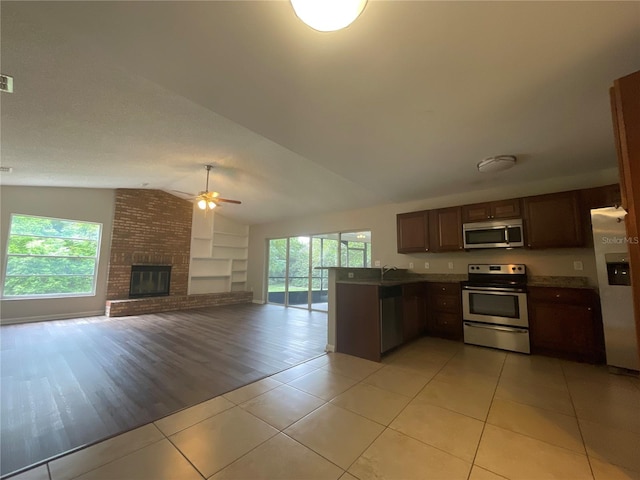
<point>432,410</point>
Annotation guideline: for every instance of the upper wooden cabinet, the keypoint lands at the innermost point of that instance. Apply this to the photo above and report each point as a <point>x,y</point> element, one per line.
<point>554,220</point>
<point>445,229</point>
<point>481,212</point>
<point>598,197</point>
<point>413,232</point>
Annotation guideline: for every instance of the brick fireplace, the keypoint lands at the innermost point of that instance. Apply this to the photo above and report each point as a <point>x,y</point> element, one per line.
<point>152,227</point>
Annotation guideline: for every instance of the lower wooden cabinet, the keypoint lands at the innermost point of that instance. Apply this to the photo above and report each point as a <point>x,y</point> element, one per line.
<point>566,323</point>
<point>358,320</point>
<point>414,311</point>
<point>358,330</point>
<point>444,317</point>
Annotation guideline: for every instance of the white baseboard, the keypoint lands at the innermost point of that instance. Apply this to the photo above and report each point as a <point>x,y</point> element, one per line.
<point>44,318</point>
<point>259,302</point>
<point>330,348</point>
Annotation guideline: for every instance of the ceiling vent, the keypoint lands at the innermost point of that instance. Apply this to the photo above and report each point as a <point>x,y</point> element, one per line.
<point>496,164</point>
<point>6,169</point>
<point>6,83</point>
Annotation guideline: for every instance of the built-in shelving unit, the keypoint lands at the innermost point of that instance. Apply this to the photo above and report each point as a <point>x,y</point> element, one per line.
<point>218,254</point>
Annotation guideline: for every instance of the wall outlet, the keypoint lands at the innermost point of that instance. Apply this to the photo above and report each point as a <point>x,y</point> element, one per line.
<point>577,265</point>
<point>376,263</point>
<point>426,265</point>
<point>410,265</point>
<point>450,265</point>
<point>350,274</point>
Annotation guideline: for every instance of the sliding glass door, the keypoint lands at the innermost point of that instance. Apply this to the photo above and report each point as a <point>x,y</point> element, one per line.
<point>325,253</point>
<point>297,273</point>
<point>277,277</point>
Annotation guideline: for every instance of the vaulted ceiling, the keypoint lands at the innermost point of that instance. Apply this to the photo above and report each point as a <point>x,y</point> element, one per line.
<point>399,106</point>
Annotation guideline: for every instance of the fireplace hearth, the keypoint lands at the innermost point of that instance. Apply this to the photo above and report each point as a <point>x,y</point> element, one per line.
<point>149,281</point>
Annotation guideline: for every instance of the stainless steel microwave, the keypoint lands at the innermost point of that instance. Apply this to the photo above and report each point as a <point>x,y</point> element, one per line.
<point>494,234</point>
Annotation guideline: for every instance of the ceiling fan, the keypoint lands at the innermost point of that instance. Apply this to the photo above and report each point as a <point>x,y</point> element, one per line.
<point>207,200</point>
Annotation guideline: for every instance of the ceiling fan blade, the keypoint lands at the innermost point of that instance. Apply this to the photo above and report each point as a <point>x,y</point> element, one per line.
<point>191,195</point>
<point>218,199</point>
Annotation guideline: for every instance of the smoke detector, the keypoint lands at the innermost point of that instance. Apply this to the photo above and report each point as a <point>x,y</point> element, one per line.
<point>496,164</point>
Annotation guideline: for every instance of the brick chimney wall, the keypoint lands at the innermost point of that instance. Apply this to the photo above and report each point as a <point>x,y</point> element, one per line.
<point>150,227</point>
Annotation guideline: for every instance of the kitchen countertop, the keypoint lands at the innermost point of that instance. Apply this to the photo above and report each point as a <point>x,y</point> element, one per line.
<point>559,282</point>
<point>385,283</point>
<point>430,277</point>
<point>535,281</point>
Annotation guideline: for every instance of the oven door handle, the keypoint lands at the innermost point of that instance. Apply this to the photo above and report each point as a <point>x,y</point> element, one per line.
<point>494,289</point>
<point>495,327</point>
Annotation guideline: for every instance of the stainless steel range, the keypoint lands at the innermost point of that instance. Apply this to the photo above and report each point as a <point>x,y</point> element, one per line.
<point>494,303</point>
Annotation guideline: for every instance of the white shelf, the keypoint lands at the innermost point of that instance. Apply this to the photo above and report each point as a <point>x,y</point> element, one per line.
<point>230,253</point>
<point>209,276</point>
<point>238,277</point>
<point>209,285</point>
<point>243,235</point>
<point>219,249</point>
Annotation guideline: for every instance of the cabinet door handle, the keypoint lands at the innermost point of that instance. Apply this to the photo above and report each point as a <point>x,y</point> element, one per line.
<point>589,308</point>
<point>557,295</point>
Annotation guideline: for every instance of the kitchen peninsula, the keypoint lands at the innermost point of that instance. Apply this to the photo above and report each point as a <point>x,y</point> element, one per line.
<point>369,316</point>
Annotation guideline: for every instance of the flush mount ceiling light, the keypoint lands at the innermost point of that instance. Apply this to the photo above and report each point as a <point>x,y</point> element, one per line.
<point>496,164</point>
<point>328,15</point>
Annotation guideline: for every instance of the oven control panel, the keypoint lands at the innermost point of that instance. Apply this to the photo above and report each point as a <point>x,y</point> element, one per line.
<point>511,268</point>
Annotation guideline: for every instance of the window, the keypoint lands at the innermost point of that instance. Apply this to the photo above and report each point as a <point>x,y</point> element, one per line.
<point>51,257</point>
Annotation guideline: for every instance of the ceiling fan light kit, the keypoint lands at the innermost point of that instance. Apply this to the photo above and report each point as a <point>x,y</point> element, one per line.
<point>496,164</point>
<point>328,15</point>
<point>207,200</point>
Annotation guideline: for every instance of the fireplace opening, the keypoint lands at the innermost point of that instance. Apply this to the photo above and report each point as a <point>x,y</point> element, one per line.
<point>149,280</point>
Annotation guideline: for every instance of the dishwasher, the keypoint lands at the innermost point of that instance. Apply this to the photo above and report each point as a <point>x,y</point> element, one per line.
<point>390,317</point>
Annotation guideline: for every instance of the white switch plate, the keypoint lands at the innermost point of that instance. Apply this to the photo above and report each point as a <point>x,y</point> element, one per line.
<point>450,265</point>
<point>577,265</point>
<point>377,263</point>
<point>426,265</point>
<point>350,274</point>
<point>410,265</point>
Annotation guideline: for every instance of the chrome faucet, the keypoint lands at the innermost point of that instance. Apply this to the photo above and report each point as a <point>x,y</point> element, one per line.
<point>386,269</point>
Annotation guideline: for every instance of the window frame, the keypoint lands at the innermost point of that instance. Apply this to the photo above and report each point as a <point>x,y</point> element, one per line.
<point>8,255</point>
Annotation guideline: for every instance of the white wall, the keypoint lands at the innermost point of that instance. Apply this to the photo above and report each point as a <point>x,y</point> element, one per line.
<point>381,220</point>
<point>92,205</point>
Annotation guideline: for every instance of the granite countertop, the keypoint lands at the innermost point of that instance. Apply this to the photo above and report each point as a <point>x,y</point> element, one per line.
<point>561,282</point>
<point>385,283</point>
<point>414,278</point>
<point>534,281</point>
